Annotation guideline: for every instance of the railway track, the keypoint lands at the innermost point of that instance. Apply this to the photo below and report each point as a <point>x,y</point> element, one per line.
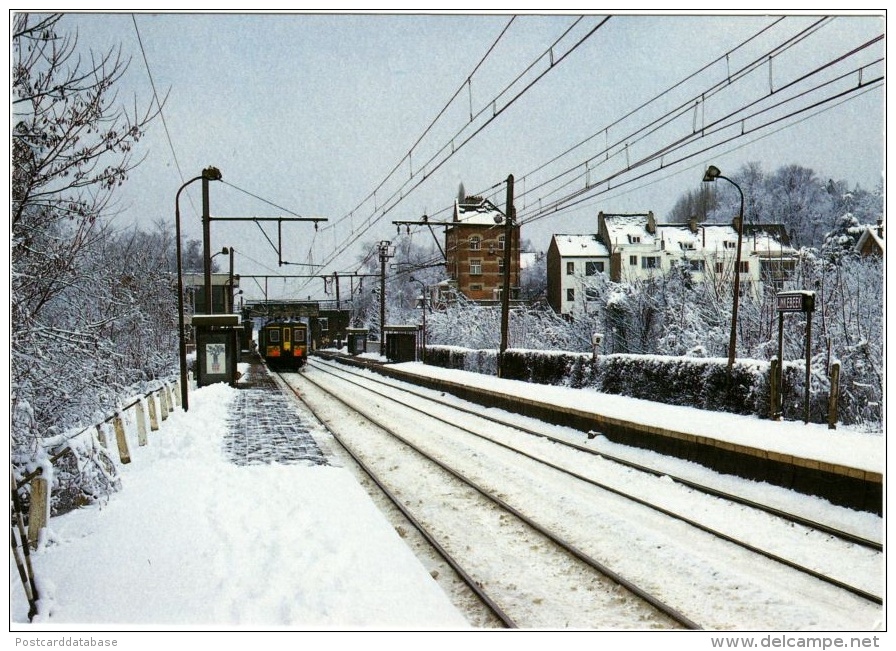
<point>439,446</point>
<point>794,518</point>
<point>524,574</point>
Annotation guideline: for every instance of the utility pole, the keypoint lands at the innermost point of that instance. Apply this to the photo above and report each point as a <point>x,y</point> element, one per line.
<point>206,238</point>
<point>386,252</point>
<point>505,293</point>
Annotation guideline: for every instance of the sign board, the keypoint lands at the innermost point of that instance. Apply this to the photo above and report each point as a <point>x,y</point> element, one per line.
<point>796,302</point>
<point>215,356</point>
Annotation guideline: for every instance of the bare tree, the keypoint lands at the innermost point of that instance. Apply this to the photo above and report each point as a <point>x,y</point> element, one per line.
<point>72,146</point>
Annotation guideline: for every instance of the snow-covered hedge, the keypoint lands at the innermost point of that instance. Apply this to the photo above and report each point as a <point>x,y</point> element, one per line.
<point>685,381</point>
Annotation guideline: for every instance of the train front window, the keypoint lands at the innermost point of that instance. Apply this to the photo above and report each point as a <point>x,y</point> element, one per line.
<point>298,336</point>
<point>273,336</point>
<point>285,335</point>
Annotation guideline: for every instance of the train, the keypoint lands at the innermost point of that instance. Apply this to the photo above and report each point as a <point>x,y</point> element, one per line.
<point>284,344</point>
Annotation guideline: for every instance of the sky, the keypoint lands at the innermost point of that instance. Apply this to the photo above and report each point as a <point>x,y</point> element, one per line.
<point>364,119</point>
<point>194,543</point>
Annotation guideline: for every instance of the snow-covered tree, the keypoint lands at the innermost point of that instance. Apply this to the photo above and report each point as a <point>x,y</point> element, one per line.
<point>78,292</point>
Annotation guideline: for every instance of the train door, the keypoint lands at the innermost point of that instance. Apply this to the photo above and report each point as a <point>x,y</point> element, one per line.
<point>287,344</point>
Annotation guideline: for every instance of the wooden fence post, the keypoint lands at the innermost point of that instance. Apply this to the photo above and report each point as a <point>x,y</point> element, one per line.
<point>101,435</point>
<point>153,417</point>
<point>163,403</point>
<point>169,394</point>
<point>122,441</point>
<point>37,512</point>
<point>834,399</point>
<point>141,423</point>
<point>177,398</point>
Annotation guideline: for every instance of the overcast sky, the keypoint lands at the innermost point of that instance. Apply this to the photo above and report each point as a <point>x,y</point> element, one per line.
<point>309,115</point>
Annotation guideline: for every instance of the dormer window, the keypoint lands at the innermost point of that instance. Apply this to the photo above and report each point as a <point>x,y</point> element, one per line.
<point>686,246</point>
<point>634,239</point>
<point>730,244</point>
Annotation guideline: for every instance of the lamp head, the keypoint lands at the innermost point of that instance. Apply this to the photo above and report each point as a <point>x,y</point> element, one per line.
<point>211,174</point>
<point>712,173</point>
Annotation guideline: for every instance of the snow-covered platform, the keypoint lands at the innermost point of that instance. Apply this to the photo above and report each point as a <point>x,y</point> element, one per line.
<point>842,466</point>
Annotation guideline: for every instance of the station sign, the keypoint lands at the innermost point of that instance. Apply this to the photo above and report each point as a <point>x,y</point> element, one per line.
<point>796,301</point>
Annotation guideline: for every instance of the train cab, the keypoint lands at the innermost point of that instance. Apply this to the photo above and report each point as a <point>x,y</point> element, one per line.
<point>284,344</point>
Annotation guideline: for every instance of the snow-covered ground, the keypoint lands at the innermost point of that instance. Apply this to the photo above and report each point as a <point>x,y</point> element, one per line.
<point>194,542</point>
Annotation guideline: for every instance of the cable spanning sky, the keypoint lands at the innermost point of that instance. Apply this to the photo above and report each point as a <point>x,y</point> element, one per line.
<point>367,119</point>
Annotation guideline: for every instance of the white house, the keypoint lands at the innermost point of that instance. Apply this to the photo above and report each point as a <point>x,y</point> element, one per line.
<point>633,246</point>
<point>571,261</point>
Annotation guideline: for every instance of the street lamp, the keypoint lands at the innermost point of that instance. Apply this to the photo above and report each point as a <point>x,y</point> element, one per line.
<point>223,251</point>
<point>423,305</point>
<point>208,174</point>
<point>713,173</point>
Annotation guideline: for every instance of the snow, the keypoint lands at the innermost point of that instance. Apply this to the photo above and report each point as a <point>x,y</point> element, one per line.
<point>860,450</point>
<point>193,542</point>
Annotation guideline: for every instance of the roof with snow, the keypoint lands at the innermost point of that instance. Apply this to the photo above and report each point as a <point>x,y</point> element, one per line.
<point>621,228</point>
<point>870,234</point>
<point>627,229</point>
<point>476,210</point>
<point>580,246</point>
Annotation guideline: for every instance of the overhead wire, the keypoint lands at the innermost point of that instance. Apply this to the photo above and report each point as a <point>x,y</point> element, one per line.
<point>379,212</point>
<point>683,107</point>
<point>567,201</point>
<point>155,95</point>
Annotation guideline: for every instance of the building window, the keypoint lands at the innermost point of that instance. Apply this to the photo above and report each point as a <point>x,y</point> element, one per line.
<point>697,265</point>
<point>501,265</point>
<point>324,324</point>
<point>591,294</point>
<point>777,269</point>
<point>593,268</point>
<point>476,288</point>
<point>650,262</point>
<point>720,267</point>
<point>570,268</point>
<point>501,242</point>
<point>745,267</point>
<point>475,267</point>
<point>475,243</point>
<point>633,260</point>
<point>570,295</point>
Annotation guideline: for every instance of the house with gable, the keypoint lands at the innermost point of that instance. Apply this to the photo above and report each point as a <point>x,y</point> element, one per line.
<point>573,261</point>
<point>475,242</point>
<point>871,241</point>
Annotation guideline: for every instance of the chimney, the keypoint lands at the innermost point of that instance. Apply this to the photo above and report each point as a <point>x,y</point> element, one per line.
<point>651,223</point>
<point>692,224</point>
<point>880,228</point>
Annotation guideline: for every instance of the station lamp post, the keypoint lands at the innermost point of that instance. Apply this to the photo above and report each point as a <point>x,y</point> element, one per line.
<point>713,173</point>
<point>208,174</point>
